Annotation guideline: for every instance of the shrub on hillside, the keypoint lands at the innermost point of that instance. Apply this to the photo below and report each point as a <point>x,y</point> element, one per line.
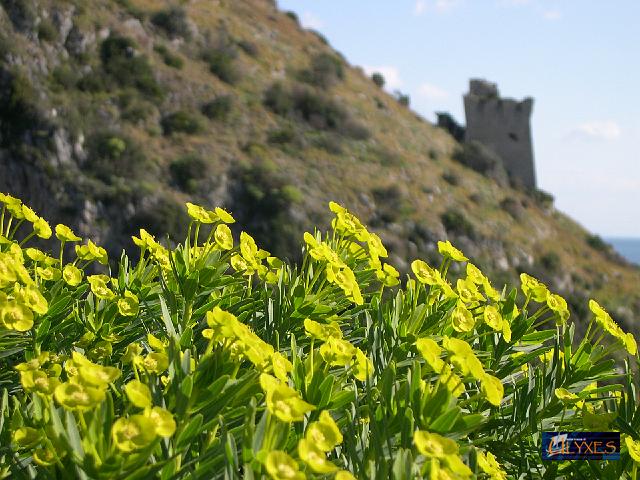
<point>293,16</point>
<point>456,223</point>
<point>19,110</point>
<point>402,98</point>
<point>542,198</point>
<point>318,110</point>
<point>47,31</point>
<point>597,243</point>
<point>378,79</point>
<point>219,108</point>
<point>325,71</point>
<point>168,57</point>
<point>174,21</point>
<point>451,178</point>
<point>114,154</point>
<point>181,121</point>
<point>187,172</point>
<point>126,67</point>
<point>248,47</point>
<point>222,62</point>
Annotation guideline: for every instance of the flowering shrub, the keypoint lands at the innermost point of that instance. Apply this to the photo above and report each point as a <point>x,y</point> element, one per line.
<point>215,359</point>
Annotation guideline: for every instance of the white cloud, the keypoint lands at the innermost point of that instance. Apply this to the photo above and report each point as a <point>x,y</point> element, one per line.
<point>432,92</point>
<point>420,7</point>
<point>391,75</point>
<point>309,20</point>
<point>552,15</point>
<point>598,130</point>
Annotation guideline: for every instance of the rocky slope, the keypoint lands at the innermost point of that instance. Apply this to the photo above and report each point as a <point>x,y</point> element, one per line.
<point>114,113</point>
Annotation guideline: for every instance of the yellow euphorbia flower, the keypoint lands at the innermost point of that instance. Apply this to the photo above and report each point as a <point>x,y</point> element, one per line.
<point>15,316</point>
<point>42,228</point>
<point>72,275</point>
<point>91,251</point>
<point>388,275</point>
<point>223,237</point>
<point>128,305</point>
<point>26,437</point>
<point>77,396</point>
<point>468,292</point>
<point>155,362</point>
<point>449,251</point>
<point>39,382</point>
<point>44,457</point>
<point>431,352</point>
<point>138,394</point>
<point>283,401</point>
<point>49,273</point>
<point>99,287</point>
<point>280,466</point>
<point>322,331</point>
<point>223,215</point>
<point>493,389</point>
<point>336,351</point>
<point>633,446</point>
<point>32,298</point>
<point>452,381</point>
<point>133,433</point>
<point>281,366</point>
<point>493,318</point>
<point>362,367</point>
<point>28,214</point>
<point>65,234</point>
<point>462,319</point>
<point>434,445</point>
<point>559,305</point>
<point>425,274</point>
<point>324,433</point>
<point>489,465</point>
<point>200,214</point>
<point>165,425</point>
<point>533,288</point>
<point>315,458</point>
<point>344,475</point>
<point>565,396</point>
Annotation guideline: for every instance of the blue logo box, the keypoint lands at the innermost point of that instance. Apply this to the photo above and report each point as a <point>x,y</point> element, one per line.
<point>580,445</point>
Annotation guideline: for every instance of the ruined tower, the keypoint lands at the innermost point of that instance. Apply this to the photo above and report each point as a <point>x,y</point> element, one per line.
<point>502,125</point>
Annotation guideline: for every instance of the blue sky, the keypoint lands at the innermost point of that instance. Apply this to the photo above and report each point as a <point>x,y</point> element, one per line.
<point>579,59</point>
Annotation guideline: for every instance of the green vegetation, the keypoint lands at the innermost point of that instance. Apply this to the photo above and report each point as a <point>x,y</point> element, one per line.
<point>215,359</point>
<point>378,79</point>
<point>188,171</point>
<point>455,222</point>
<point>126,68</point>
<point>222,62</point>
<point>174,21</point>
<point>181,121</point>
<point>113,154</point>
<point>318,110</point>
<point>169,58</point>
<point>219,108</point>
<point>325,71</point>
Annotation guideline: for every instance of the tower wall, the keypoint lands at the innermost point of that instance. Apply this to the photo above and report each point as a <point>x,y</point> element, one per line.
<point>503,126</point>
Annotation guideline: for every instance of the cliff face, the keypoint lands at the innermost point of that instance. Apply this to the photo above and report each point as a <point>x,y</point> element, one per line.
<point>114,113</point>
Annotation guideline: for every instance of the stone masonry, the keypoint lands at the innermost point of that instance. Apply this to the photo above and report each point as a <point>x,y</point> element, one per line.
<point>502,125</point>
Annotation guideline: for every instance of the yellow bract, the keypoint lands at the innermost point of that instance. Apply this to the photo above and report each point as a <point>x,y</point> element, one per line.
<point>449,251</point>
<point>431,352</point>
<point>314,457</point>
<point>283,401</point>
<point>493,389</point>
<point>434,445</point>
<point>223,237</point>
<point>128,305</point>
<point>133,433</point>
<point>324,433</point>
<point>322,331</point>
<point>65,234</point>
<point>280,466</point>
<point>462,319</point>
<point>138,393</point>
<point>633,446</point>
<point>99,287</point>
<point>164,424</point>
<point>489,465</point>
<point>72,275</point>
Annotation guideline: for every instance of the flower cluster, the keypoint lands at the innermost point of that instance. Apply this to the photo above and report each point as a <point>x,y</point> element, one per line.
<point>214,359</point>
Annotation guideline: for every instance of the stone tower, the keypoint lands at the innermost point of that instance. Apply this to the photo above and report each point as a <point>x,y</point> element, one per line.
<point>502,125</point>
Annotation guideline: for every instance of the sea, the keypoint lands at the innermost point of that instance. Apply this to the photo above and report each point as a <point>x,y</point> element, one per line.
<point>627,247</point>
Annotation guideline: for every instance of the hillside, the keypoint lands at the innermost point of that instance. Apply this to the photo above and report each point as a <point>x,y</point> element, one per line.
<point>114,113</point>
